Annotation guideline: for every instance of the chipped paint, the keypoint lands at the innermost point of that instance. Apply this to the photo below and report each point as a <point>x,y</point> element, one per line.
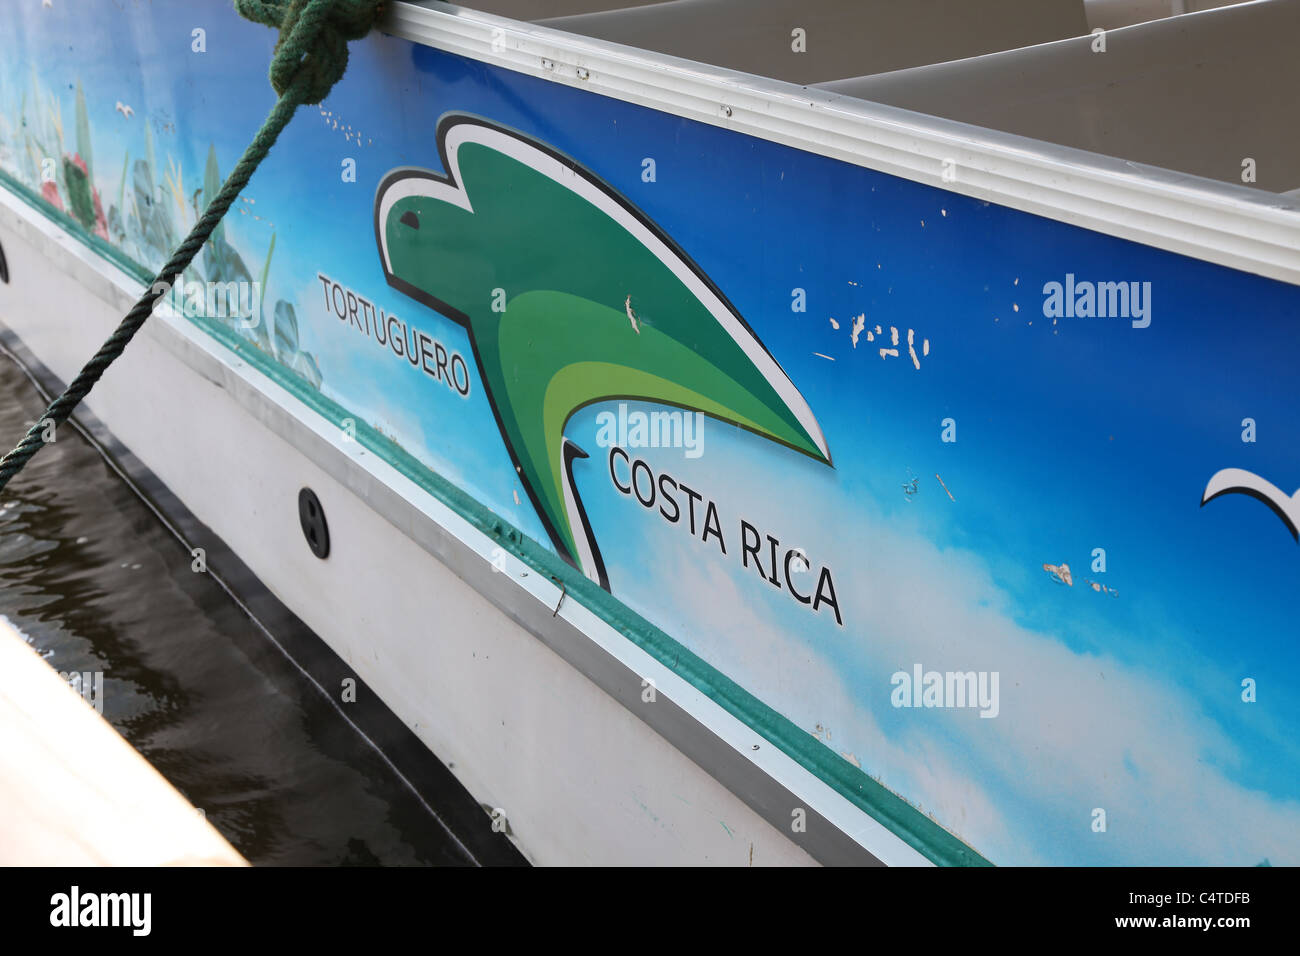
<point>631,316</point>
<point>911,348</point>
<point>893,335</point>
<point>1060,573</point>
<point>1101,588</point>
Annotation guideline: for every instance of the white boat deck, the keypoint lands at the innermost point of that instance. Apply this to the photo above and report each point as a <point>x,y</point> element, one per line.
<point>73,792</point>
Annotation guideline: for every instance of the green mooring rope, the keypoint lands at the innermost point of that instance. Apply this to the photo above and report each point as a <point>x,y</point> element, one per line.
<point>310,57</point>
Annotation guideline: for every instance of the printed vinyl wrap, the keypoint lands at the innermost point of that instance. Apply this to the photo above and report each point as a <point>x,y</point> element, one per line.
<point>996,509</point>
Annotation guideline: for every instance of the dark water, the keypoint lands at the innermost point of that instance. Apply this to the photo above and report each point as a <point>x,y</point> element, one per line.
<point>97,583</point>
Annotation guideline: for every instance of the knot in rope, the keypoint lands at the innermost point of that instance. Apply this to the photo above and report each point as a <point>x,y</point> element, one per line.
<point>312,51</point>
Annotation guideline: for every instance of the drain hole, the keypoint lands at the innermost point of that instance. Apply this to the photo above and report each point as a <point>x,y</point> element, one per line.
<point>312,517</point>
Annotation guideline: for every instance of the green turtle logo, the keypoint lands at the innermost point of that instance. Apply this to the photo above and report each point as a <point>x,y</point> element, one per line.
<point>571,296</point>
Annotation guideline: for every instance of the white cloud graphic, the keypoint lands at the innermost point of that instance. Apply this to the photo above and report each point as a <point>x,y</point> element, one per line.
<point>1077,729</point>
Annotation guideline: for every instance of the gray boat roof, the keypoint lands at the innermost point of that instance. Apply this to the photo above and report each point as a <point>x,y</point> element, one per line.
<point>840,38</point>
<point>1195,86</point>
<point>1211,94</point>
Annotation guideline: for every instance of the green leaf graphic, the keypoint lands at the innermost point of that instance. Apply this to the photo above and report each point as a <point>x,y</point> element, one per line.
<point>83,136</point>
<point>599,304</point>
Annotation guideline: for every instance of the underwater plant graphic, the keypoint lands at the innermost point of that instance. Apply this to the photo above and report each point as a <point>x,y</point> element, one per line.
<point>150,214</point>
<point>599,305</point>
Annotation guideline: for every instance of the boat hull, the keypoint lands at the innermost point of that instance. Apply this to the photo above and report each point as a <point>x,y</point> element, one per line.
<point>853,469</point>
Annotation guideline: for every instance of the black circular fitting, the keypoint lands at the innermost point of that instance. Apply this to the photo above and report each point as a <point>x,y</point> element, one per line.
<point>314,528</point>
